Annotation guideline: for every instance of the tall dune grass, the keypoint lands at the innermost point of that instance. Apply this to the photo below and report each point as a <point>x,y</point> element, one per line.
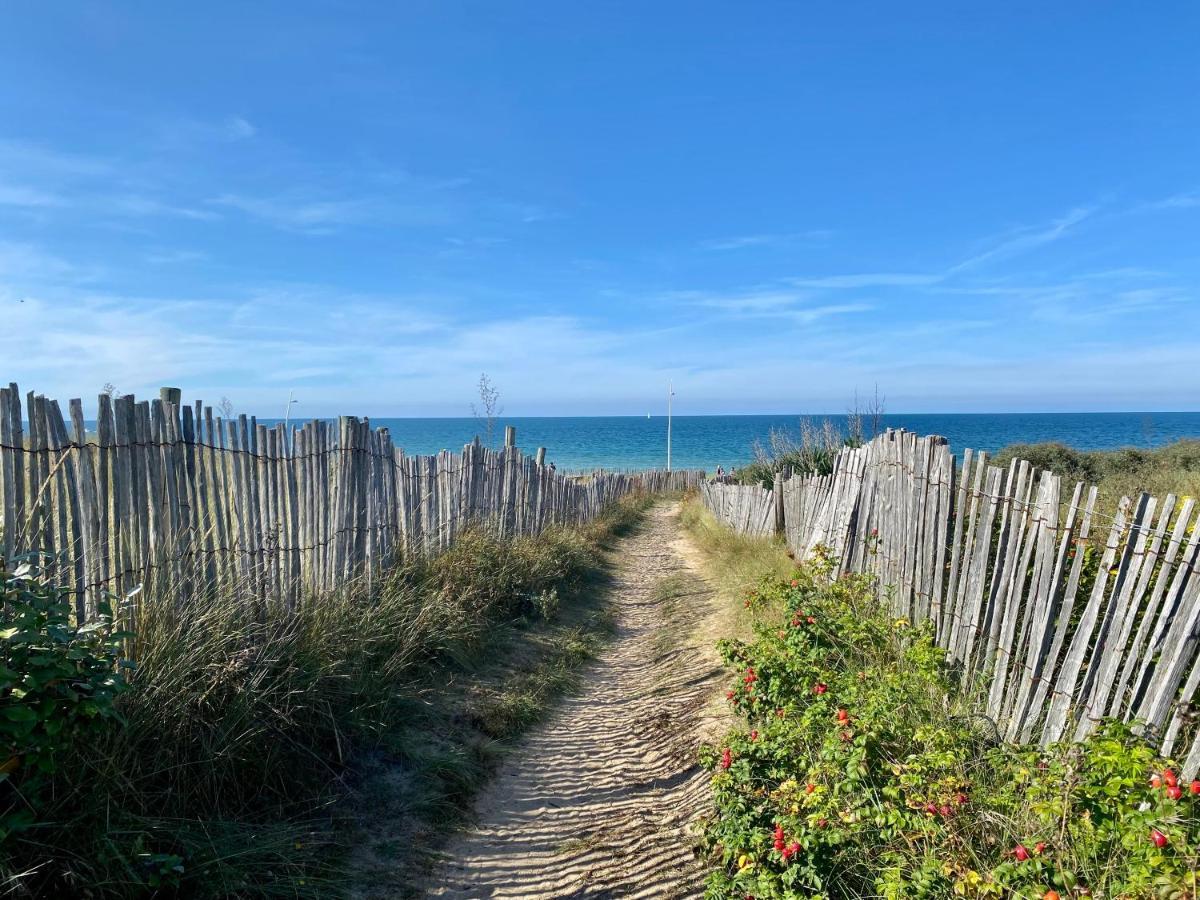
<point>244,727</point>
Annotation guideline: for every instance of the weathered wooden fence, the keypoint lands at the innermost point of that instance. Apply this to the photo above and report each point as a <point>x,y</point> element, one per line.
<point>747,509</point>
<point>1057,615</point>
<point>174,492</point>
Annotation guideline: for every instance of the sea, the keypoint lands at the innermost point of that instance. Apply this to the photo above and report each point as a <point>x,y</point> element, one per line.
<point>582,443</point>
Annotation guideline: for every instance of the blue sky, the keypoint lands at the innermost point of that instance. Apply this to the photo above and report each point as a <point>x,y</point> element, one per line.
<point>980,207</point>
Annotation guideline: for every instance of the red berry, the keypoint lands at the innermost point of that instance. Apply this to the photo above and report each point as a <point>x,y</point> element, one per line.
<point>1051,895</point>
<point>820,687</point>
<point>795,583</point>
<point>1169,778</point>
<point>1194,787</point>
<point>843,716</point>
<point>809,788</point>
<point>754,735</point>
<point>945,811</point>
<point>931,809</point>
<point>1155,782</point>
<point>812,620</point>
<point>1159,839</point>
<point>961,798</point>
<point>1020,852</point>
<point>1174,792</point>
<point>1039,848</point>
<point>726,759</point>
<point>729,695</point>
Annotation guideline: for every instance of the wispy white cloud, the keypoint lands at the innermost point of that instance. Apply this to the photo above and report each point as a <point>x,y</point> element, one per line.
<point>293,193</point>
<point>868,280</point>
<point>794,306</point>
<point>1184,200</point>
<point>1026,238</point>
<point>1123,273</point>
<point>308,215</point>
<point>745,241</point>
<point>24,266</point>
<point>190,133</point>
<point>1077,304</point>
<point>138,205</point>
<point>415,354</point>
<point>1006,246</point>
<point>27,197</point>
<point>37,161</point>
<point>752,302</point>
<point>236,128</point>
<point>48,181</point>
<point>168,257</point>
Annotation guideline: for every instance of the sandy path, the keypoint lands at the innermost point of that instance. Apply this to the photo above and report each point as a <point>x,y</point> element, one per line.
<point>598,801</point>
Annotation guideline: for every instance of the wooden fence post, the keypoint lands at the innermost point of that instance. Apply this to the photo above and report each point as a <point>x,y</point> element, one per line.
<point>510,435</point>
<point>778,496</point>
<point>541,456</point>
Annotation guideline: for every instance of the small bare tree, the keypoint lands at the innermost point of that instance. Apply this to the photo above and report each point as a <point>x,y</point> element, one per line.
<point>488,410</point>
<point>876,408</point>
<point>110,389</point>
<point>225,408</point>
<point>871,412</point>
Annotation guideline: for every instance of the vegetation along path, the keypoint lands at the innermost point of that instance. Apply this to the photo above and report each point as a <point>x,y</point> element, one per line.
<point>598,802</point>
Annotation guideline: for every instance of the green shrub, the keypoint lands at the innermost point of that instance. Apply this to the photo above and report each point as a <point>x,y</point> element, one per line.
<point>811,452</point>
<point>859,776</point>
<point>1071,464</point>
<point>58,687</point>
<point>1172,468</point>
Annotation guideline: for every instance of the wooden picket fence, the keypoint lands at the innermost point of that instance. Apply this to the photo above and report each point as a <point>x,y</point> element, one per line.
<point>176,494</point>
<point>1056,616</point>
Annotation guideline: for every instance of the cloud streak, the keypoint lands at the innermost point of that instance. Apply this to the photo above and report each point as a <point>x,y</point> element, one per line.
<point>1028,238</point>
<point>748,241</point>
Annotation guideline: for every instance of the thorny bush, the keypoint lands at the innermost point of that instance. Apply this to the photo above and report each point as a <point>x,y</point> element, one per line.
<point>856,776</point>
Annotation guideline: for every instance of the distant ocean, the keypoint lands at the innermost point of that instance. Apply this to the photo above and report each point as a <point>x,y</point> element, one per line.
<point>629,442</point>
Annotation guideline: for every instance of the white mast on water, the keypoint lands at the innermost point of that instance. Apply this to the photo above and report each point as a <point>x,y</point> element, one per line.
<point>670,394</point>
<point>287,413</point>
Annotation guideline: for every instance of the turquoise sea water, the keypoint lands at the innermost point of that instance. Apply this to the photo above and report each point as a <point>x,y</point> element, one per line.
<point>618,442</point>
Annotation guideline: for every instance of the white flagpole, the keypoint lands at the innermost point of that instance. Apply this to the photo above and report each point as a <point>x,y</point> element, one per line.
<point>670,394</point>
